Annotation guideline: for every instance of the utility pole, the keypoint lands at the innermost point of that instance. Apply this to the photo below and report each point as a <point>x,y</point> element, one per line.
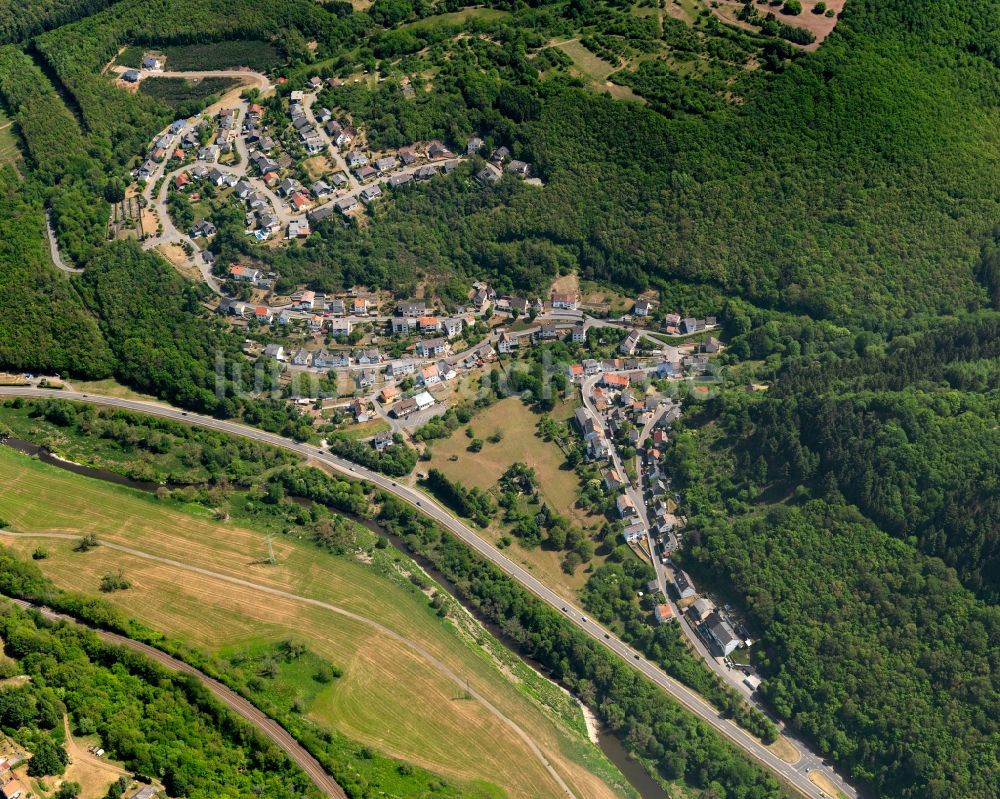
<point>270,549</point>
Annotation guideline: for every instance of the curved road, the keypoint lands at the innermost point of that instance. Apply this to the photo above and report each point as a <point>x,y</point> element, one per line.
<point>270,728</point>
<point>439,666</point>
<point>54,249</point>
<point>795,775</point>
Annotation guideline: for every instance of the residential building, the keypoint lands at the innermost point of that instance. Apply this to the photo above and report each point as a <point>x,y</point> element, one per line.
<point>683,584</point>
<point>412,310</point>
<point>664,613</point>
<point>452,327</point>
<point>424,400</point>
<point>630,342</point>
<point>564,301</point>
<point>386,164</point>
<point>507,343</point>
<point>244,273</point>
<point>548,332</point>
<point>403,408</point>
<point>429,375</point>
<point>402,325</point>
<point>346,204</point>
<point>433,346</point>
<point>275,351</point>
<point>702,609</point>
<point>446,370</point>
<point>634,532</point>
<point>340,328</point>
<point>579,334</point>
<point>301,358</point>
<point>642,308</point>
<point>369,194</point>
<point>720,634</point>
<point>263,314</point>
<point>401,368</point>
<point>519,168</point>
<point>626,507</point>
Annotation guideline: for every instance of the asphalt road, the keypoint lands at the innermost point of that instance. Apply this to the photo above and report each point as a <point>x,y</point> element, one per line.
<point>270,728</point>
<point>795,774</point>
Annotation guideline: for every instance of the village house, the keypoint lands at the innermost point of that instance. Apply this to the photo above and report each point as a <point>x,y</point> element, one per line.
<point>519,169</point>
<point>433,346</point>
<point>564,301</point>
<point>382,441</point>
<point>324,359</point>
<point>388,395</point>
<point>369,194</point>
<point>630,342</point>
<point>548,332</point>
<point>429,375</point>
<point>642,308</point>
<point>244,273</point>
<point>412,310</point>
<point>346,204</point>
<point>452,327</point>
<point>720,634</point>
<point>306,301</point>
<point>402,325</point>
<point>400,368</point>
<point>446,370</point>
<point>507,343</point>
<point>301,358</point>
<point>579,333</point>
<point>626,507</point>
<point>634,532</point>
<point>682,584</point>
<point>340,328</point>
<point>664,613</point>
<point>275,351</point>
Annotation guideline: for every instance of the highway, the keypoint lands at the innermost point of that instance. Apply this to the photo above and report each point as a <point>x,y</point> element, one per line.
<point>270,728</point>
<point>795,774</point>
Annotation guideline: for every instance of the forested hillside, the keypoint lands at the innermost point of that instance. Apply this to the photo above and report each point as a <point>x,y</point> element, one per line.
<point>22,18</point>
<point>156,723</point>
<point>832,506</point>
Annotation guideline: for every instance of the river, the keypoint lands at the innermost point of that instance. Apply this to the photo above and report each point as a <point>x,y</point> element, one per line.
<point>609,743</point>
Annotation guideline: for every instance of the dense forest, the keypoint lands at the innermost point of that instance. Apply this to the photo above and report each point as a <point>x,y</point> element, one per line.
<point>155,722</point>
<point>22,18</point>
<point>832,506</point>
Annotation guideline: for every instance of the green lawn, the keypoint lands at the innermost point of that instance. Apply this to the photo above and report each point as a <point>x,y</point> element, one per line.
<point>456,18</point>
<point>390,697</point>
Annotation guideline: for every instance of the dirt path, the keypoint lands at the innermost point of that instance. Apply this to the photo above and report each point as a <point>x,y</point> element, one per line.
<point>429,658</point>
<point>80,755</point>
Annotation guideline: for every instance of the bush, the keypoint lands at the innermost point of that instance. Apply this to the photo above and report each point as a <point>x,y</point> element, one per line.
<point>792,8</point>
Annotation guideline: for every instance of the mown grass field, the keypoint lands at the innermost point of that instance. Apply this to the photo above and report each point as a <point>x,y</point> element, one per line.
<point>483,469</point>
<point>517,423</point>
<point>390,696</point>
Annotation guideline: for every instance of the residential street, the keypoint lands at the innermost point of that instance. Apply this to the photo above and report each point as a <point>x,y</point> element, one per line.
<point>795,774</point>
